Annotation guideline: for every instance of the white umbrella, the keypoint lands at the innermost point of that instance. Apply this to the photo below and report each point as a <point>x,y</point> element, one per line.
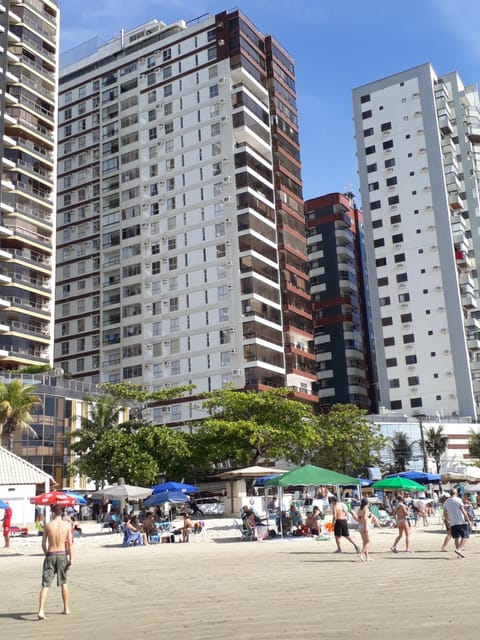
<point>123,491</point>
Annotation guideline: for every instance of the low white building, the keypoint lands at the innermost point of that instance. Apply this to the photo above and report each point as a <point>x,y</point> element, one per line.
<point>457,458</point>
<point>18,484</point>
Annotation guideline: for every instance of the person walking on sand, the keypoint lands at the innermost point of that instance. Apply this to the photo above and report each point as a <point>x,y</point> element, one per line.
<point>363,518</point>
<point>400,512</point>
<point>457,518</point>
<point>340,525</point>
<point>57,547</point>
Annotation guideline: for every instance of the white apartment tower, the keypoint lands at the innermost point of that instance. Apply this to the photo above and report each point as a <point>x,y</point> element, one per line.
<point>418,137</point>
<point>180,247</point>
<point>28,95</point>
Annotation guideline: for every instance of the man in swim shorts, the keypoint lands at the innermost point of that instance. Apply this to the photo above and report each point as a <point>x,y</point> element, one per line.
<point>457,518</point>
<point>340,525</point>
<point>57,547</point>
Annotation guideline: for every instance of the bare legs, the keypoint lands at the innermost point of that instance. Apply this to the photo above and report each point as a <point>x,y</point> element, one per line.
<point>403,529</point>
<point>43,598</point>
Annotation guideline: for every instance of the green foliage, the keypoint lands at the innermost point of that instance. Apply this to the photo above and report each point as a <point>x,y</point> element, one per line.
<point>346,441</point>
<point>32,369</point>
<point>436,443</point>
<point>474,444</point>
<point>249,427</point>
<point>17,400</point>
<point>401,449</point>
<point>138,398</point>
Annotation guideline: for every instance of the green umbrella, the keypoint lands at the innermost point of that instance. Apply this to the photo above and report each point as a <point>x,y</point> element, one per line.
<point>398,484</point>
<point>311,475</point>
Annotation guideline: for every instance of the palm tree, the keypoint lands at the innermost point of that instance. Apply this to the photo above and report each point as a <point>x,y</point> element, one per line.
<point>436,443</point>
<point>17,400</point>
<point>401,449</point>
<point>474,444</point>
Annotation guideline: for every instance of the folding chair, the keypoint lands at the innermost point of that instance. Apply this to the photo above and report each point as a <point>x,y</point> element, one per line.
<point>246,531</point>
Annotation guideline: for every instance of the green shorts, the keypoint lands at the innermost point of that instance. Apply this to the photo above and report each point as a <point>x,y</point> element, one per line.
<point>55,563</point>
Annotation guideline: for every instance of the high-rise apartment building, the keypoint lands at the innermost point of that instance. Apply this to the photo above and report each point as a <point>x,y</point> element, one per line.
<point>339,295</point>
<point>28,90</point>
<point>181,247</point>
<point>418,150</point>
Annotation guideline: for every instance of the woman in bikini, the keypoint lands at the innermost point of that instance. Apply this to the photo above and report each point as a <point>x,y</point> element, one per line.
<point>400,513</point>
<point>363,516</point>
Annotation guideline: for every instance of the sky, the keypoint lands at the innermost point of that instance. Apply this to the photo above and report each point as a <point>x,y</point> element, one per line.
<point>337,45</point>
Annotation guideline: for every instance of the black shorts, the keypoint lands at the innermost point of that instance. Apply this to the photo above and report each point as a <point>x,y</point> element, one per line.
<point>340,529</point>
<point>459,531</point>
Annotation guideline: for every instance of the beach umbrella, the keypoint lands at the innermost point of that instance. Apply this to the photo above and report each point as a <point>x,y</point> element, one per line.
<point>4,505</point>
<point>123,492</point>
<point>79,498</point>
<point>398,484</point>
<point>419,476</point>
<point>53,498</point>
<point>175,486</point>
<point>165,496</point>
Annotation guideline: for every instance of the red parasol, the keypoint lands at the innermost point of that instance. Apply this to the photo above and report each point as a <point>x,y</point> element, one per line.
<point>54,497</point>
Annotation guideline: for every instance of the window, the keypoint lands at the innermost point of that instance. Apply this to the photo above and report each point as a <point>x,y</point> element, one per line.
<point>408,338</point>
<point>391,181</point>
<point>394,383</point>
<point>382,282</point>
<point>404,297</point>
<point>386,126</point>
<point>402,277</point>
<point>396,238</point>
<point>381,262</point>
<point>393,200</point>
<point>368,132</point>
<point>391,362</point>
<point>384,302</point>
<point>373,186</point>
<point>389,163</point>
<point>376,224</point>
<point>372,167</point>
<point>399,257</point>
<point>389,342</point>
<point>396,219</point>
<point>213,90</point>
<point>365,98</point>
<point>388,144</point>
<point>387,322</point>
<point>376,204</point>
<point>415,402</point>
<point>410,359</point>
<point>369,150</point>
<point>413,381</point>
<point>379,242</point>
<point>395,405</point>
<point>366,114</point>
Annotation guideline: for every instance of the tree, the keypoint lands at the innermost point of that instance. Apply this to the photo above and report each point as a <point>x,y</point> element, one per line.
<point>474,444</point>
<point>248,428</point>
<point>17,401</point>
<point>436,443</point>
<point>346,441</point>
<point>401,449</point>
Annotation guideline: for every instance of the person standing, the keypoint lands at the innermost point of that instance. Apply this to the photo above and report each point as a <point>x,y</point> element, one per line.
<point>7,521</point>
<point>457,518</point>
<point>400,512</point>
<point>57,547</point>
<point>340,525</point>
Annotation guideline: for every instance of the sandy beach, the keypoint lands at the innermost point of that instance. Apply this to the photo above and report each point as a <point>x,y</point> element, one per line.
<point>219,587</point>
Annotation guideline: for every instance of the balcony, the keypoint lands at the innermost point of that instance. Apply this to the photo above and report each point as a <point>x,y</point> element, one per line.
<point>455,202</point>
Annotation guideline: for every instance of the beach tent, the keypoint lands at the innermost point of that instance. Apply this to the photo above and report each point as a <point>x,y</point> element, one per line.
<point>311,475</point>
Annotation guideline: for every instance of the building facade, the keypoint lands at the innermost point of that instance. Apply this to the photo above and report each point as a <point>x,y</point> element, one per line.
<point>28,95</point>
<point>181,248</point>
<point>417,138</point>
<point>339,295</point>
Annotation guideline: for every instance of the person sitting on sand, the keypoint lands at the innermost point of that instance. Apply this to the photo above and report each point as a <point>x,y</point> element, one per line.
<point>148,525</point>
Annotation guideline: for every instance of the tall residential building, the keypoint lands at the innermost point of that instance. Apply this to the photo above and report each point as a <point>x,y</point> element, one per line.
<point>418,137</point>
<point>339,295</point>
<point>28,90</point>
<point>181,246</point>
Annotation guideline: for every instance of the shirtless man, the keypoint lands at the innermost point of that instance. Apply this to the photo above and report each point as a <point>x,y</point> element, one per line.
<point>57,547</point>
<point>187,525</point>
<point>340,525</point>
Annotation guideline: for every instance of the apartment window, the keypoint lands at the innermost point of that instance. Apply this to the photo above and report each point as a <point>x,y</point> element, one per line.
<point>396,219</point>
<point>404,297</point>
<point>386,126</point>
<point>213,90</point>
<point>365,98</point>
<point>373,186</point>
<point>381,262</point>
<point>391,181</point>
<point>406,317</point>
<point>379,242</point>
<point>415,402</point>
<point>402,277</point>
<point>382,282</point>
<point>389,342</point>
<point>376,204</point>
<point>372,167</point>
<point>388,144</point>
<point>398,237</point>
<point>167,72</point>
<point>384,302</point>
<point>399,257</point>
<point>412,359</point>
<point>366,114</point>
<point>368,132</point>
<point>394,383</point>
<point>387,322</point>
<point>369,150</point>
<point>390,162</point>
<point>376,224</point>
<point>413,381</point>
<point>395,405</point>
<point>391,362</point>
<point>408,338</point>
<point>152,133</point>
<point>223,314</point>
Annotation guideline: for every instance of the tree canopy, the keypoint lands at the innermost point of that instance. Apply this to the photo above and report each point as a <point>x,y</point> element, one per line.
<point>248,428</point>
<point>401,449</point>
<point>436,443</point>
<point>17,401</point>
<point>346,441</point>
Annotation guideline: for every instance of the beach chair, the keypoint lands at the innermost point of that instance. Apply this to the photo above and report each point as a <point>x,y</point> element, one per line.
<point>382,516</point>
<point>247,532</point>
<point>131,538</point>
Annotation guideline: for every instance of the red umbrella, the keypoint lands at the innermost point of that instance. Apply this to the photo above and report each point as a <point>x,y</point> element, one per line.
<point>54,497</point>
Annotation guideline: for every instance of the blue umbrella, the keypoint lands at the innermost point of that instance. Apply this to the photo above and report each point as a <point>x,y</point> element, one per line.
<point>4,505</point>
<point>79,498</point>
<point>418,476</point>
<point>175,486</point>
<point>165,496</point>
<point>260,482</point>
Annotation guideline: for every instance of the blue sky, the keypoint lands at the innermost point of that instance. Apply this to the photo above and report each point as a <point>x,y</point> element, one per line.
<point>337,45</point>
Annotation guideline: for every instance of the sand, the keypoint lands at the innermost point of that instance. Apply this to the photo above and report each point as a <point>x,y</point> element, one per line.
<point>221,588</point>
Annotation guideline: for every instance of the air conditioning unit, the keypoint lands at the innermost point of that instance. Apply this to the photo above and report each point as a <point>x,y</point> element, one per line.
<point>228,243</point>
<point>148,366</point>
<point>167,363</point>
<point>148,306</point>
<point>160,143</point>
<point>166,342</point>
<point>165,260</point>
<point>230,263</point>
<point>165,409</point>
<point>222,80</point>
<point>227,179</point>
<point>145,224</point>
<point>145,205</point>
<point>236,372</point>
<point>149,346</point>
<point>232,329</point>
<point>227,199</point>
<point>224,118</point>
<point>225,159</point>
<point>230,287</point>
<point>222,100</point>
<point>234,351</point>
